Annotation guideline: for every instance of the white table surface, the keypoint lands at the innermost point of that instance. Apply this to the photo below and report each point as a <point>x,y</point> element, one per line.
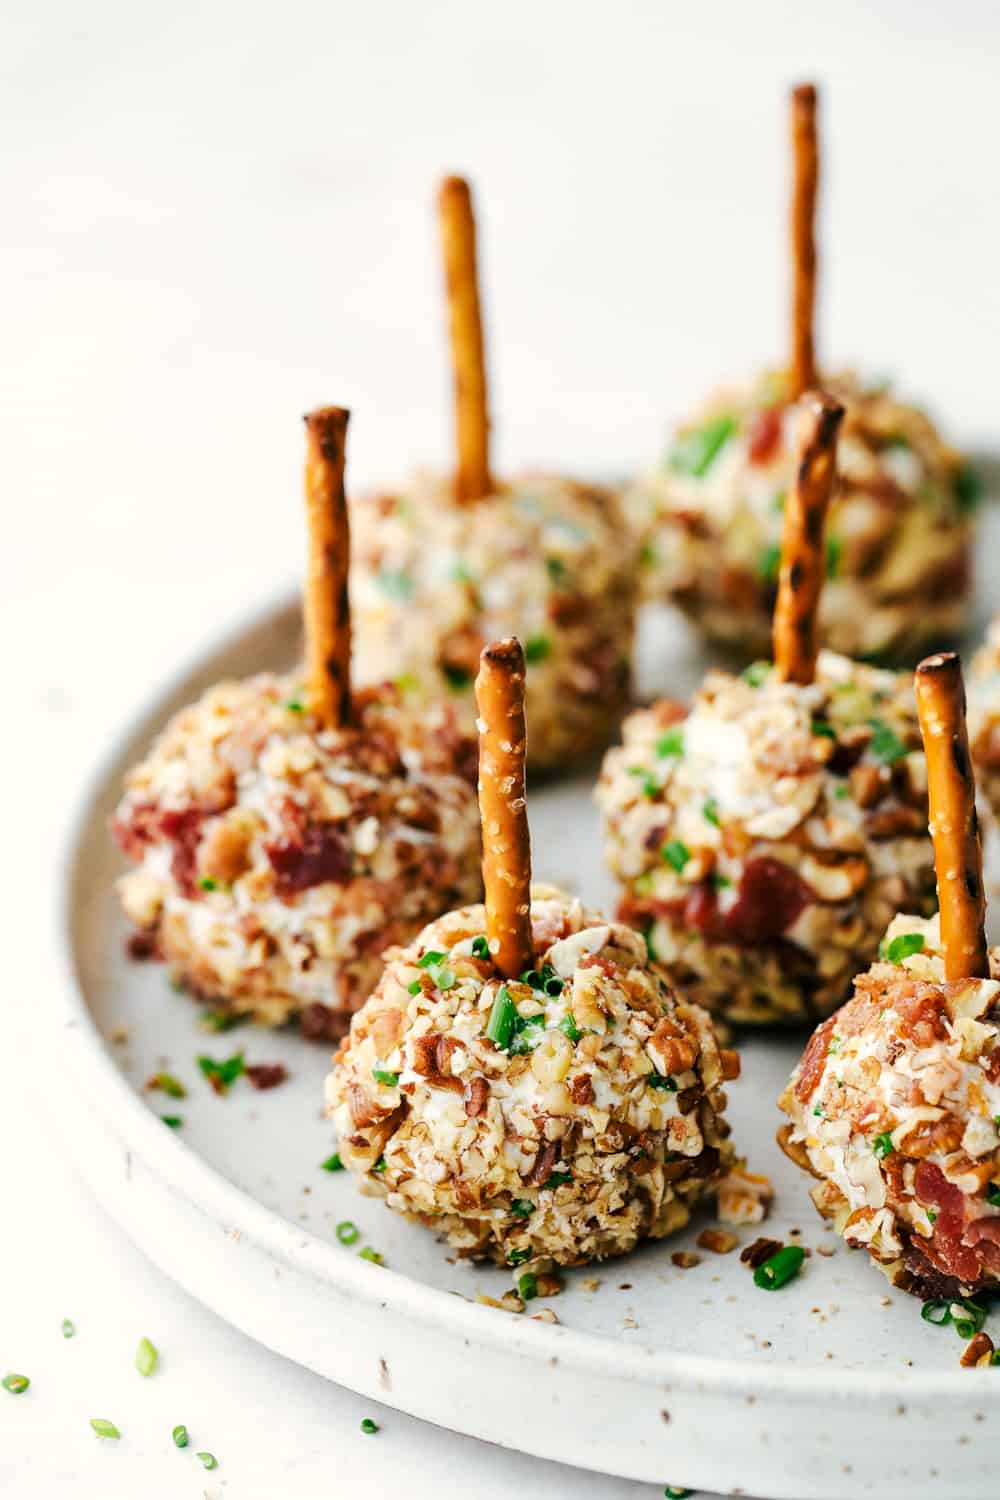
<point>217,215</point>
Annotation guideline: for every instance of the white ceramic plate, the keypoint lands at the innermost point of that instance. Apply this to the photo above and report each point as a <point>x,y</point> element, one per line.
<point>832,1386</point>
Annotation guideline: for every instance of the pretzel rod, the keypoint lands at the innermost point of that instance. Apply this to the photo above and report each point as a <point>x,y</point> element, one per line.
<point>472,420</point>
<point>803,555</point>
<point>954,827</point>
<point>805,177</point>
<point>502,807</point>
<point>326,606</point>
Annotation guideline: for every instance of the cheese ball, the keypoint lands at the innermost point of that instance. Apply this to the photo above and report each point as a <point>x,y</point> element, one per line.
<point>764,839</point>
<point>894,1109</point>
<point>561,1117</point>
<point>898,534</point>
<point>546,559</point>
<point>275,862</point>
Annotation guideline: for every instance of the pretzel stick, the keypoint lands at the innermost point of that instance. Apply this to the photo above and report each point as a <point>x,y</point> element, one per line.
<point>805,170</point>
<point>327,610</point>
<point>502,807</point>
<point>803,554</point>
<point>951,788</point>
<point>472,420</point>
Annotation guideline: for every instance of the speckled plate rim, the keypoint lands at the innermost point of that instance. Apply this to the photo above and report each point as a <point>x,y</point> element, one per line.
<point>97,1099</point>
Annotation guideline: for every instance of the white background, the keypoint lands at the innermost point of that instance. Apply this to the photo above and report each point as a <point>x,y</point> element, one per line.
<point>218,215</point>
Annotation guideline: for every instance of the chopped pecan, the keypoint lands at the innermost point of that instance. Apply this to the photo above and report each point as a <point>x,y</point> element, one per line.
<point>475,1100</point>
<point>719,1241</point>
<point>684,1260</point>
<point>756,1254</point>
<point>978,1351</point>
<point>266,1075</point>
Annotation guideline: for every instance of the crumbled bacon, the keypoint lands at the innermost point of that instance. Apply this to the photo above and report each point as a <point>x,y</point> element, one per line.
<point>771,895</point>
<point>321,853</point>
<point>814,1059</point>
<point>764,435</point>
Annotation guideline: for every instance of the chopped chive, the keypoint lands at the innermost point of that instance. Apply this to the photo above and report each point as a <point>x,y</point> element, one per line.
<point>221,1074</point>
<point>386,1076</point>
<point>834,1046</point>
<point>710,812</point>
<point>676,854</point>
<point>523,1207</point>
<point>757,673</point>
<point>993,1195</point>
<point>834,554</point>
<point>104,1428</point>
<point>569,1026</point>
<point>380,1165</point>
<point>146,1357</point>
<point>368,1426</point>
<point>457,678</point>
<point>68,1328</point>
<point>647,938</point>
<point>694,452</point>
<point>769,565</point>
<point>670,744</point>
<point>518,1257</point>
<point>167,1084</point>
<point>720,882</point>
<point>780,1268</point>
<point>173,1122</point>
<point>527,1286</point>
<point>295,706</point>
<point>824,728</point>
<point>480,947</point>
<point>221,1020</point>
<point>661,1081</point>
<point>648,782</point>
<point>395,583</point>
<point>527,1034</point>
<point>432,956</point>
<point>903,946</point>
<point>841,791</point>
<point>818,1109</point>
<point>500,1025</point>
<point>16,1384</point>
<point>415,987</point>
<point>556,569</point>
<point>373,1255</point>
<point>537,648</point>
<point>936,1311</point>
<point>886,744</point>
<point>209,1460</point>
<point>347,1232</point>
<point>967,1326</point>
<point>206,883</point>
<point>882,1146</point>
<point>968,489</point>
<point>558,1179</point>
<point>333,1163</point>
<point>180,1436</point>
<point>674,1492</point>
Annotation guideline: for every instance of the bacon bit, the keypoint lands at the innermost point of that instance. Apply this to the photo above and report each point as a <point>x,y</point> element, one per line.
<point>266,1075</point>
<point>770,897</point>
<point>764,435</point>
<point>814,1059</point>
<point>719,1241</point>
<point>684,1260</point>
<point>761,1250</point>
<point>978,1351</point>
<point>320,854</point>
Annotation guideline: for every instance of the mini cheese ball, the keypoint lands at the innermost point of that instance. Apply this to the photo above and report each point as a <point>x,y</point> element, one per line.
<point>544,557</point>
<point>894,1110</point>
<point>561,1116</point>
<point>454,562</point>
<point>286,830</point>
<point>764,839</point>
<point>894,1106</point>
<point>897,550</point>
<point>898,537</point>
<point>275,860</point>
